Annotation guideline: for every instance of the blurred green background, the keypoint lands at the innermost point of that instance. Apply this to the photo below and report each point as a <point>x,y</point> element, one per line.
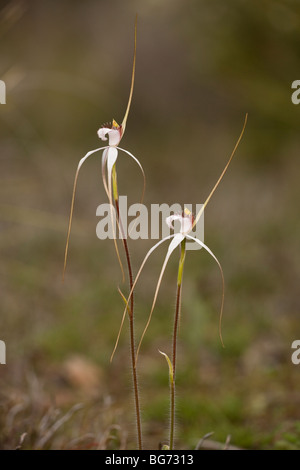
<point>200,67</point>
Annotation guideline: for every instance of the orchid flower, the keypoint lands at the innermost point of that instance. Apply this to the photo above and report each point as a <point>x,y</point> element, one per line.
<point>186,220</point>
<point>113,133</point>
<point>187,223</point>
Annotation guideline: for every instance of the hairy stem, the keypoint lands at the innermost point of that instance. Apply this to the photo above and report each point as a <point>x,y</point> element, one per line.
<point>175,334</point>
<point>130,312</point>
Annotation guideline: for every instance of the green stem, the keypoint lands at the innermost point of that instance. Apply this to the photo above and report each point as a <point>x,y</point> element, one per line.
<point>175,334</point>
<point>130,313</point>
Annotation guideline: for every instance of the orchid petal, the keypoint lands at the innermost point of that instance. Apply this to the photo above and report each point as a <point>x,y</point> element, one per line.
<point>112,155</point>
<point>178,237</point>
<point>115,136</point>
<point>132,81</point>
<point>103,162</point>
<point>122,323</point>
<point>140,166</point>
<point>81,162</point>
<point>83,159</point>
<point>187,224</point>
<point>135,282</point>
<point>109,158</point>
<point>223,282</point>
<point>143,173</point>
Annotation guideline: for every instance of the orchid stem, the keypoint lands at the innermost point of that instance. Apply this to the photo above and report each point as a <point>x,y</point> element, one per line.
<point>175,334</point>
<point>130,311</point>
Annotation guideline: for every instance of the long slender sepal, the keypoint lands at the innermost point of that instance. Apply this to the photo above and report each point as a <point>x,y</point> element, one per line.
<point>223,282</point>
<point>141,168</point>
<point>111,161</point>
<point>103,167</point>
<point>178,237</point>
<point>222,174</point>
<point>109,158</point>
<point>134,284</point>
<point>127,309</point>
<point>81,162</point>
<point>132,81</point>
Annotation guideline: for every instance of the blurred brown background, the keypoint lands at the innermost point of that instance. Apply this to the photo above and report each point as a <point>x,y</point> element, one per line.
<point>200,67</point>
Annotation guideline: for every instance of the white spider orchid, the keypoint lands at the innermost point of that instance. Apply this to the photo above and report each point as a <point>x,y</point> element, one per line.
<point>113,132</point>
<point>187,222</point>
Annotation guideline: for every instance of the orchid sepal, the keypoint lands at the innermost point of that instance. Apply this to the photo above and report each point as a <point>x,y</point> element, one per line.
<point>107,150</point>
